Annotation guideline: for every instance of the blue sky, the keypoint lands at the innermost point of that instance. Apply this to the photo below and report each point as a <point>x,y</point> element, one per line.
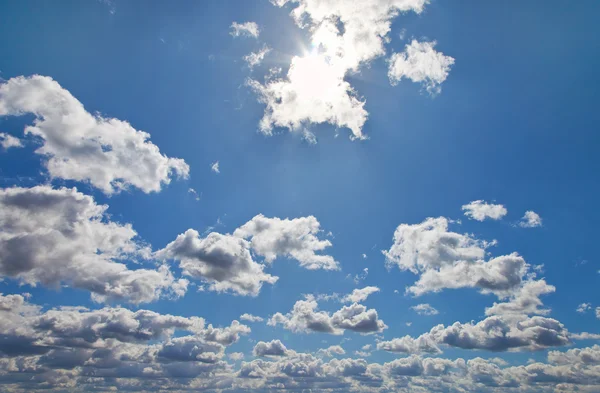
<point>401,110</point>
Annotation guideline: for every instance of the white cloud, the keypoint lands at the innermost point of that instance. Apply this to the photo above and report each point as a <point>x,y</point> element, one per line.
<point>215,167</point>
<point>222,261</point>
<point>106,152</point>
<point>530,220</point>
<point>236,356</point>
<point>420,63</point>
<point>409,345</point>
<point>255,58</point>
<point>60,237</point>
<point>194,193</point>
<point>305,318</point>
<point>295,238</point>
<point>272,348</point>
<point>331,351</point>
<point>445,259</point>
<point>250,318</point>
<point>344,36</point>
<point>425,309</point>
<point>246,29</point>
<point>360,295</point>
<point>480,210</point>
<point>8,141</point>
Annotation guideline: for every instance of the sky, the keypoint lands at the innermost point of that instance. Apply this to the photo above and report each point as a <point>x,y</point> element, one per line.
<point>299,196</point>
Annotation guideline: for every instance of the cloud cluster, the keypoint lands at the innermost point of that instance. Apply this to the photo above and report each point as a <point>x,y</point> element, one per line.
<point>344,36</point>
<point>108,153</point>
<point>306,318</point>
<point>60,236</point>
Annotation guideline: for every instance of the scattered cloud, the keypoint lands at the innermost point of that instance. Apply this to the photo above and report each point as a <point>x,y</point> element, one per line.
<point>194,193</point>
<point>272,348</point>
<point>255,58</point>
<point>530,220</point>
<point>60,237</point>
<point>251,318</point>
<point>344,37</point>
<point>215,167</point>
<point>420,63</point>
<point>246,29</point>
<point>360,295</point>
<point>480,210</point>
<point>425,309</point>
<point>77,145</point>
<point>306,318</point>
<point>8,141</point>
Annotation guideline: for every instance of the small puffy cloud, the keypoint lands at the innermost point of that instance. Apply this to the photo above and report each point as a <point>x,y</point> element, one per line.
<point>425,309</point>
<point>295,238</point>
<point>331,351</point>
<point>306,318</point>
<point>222,261</point>
<point>360,295</point>
<point>409,345</point>
<point>598,312</point>
<point>250,318</point>
<point>255,58</point>
<point>480,210</point>
<point>530,220</point>
<point>8,141</point>
<point>60,237</point>
<point>524,300</point>
<point>246,29</point>
<point>215,167</point>
<point>272,348</point>
<point>108,153</point>
<point>420,63</point>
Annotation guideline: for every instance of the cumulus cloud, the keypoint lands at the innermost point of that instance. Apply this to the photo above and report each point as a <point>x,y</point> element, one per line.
<point>224,262</point>
<point>215,167</point>
<point>8,141</point>
<point>255,58</point>
<point>360,295</point>
<point>425,309</point>
<point>584,307</point>
<point>272,348</point>
<point>420,63</point>
<point>246,29</point>
<point>530,220</point>
<point>480,210</point>
<point>108,153</point>
<point>344,36</point>
<point>407,344</point>
<point>250,318</point>
<point>331,351</point>
<point>446,259</point>
<point>60,237</point>
<point>295,238</point>
<point>306,318</point>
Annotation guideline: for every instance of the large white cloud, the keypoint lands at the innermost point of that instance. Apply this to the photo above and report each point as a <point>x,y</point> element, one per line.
<point>223,261</point>
<point>306,318</point>
<point>446,259</point>
<point>61,236</point>
<point>77,145</point>
<point>420,63</point>
<point>344,36</point>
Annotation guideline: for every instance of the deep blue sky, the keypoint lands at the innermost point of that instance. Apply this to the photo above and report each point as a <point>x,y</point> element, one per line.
<point>516,123</point>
